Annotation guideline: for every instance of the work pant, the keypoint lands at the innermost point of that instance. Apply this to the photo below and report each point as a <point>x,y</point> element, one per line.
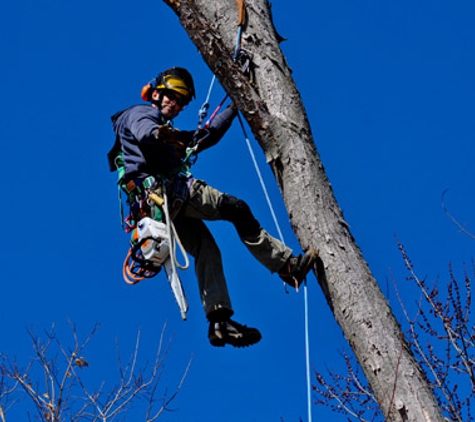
<point>207,203</point>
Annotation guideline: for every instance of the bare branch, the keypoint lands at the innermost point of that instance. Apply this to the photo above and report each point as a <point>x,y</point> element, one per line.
<point>441,337</point>
<point>64,395</point>
<point>165,405</point>
<point>348,394</point>
<point>454,220</point>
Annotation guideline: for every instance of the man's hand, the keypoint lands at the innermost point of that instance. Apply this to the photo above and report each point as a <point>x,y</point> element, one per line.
<point>166,133</point>
<point>171,136</point>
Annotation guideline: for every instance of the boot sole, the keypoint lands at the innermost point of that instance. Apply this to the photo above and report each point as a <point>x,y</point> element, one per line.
<point>245,341</point>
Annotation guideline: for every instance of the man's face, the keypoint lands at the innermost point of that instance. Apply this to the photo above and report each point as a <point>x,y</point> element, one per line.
<point>172,103</point>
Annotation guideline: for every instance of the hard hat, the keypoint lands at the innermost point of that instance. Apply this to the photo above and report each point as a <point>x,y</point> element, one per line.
<point>175,79</point>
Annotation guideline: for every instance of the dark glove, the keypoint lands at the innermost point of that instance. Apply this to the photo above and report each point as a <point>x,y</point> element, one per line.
<point>166,133</point>
<point>173,137</point>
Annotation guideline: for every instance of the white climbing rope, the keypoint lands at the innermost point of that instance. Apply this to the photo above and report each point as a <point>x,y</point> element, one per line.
<point>281,237</point>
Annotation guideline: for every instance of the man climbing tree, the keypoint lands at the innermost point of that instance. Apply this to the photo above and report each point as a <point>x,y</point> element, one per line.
<point>150,154</point>
<point>272,106</point>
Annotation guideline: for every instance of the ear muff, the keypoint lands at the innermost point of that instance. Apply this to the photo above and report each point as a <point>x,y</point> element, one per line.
<point>147,92</point>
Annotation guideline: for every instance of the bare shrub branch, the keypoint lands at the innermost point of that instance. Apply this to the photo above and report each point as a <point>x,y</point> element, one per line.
<point>441,336</point>
<point>55,384</point>
<point>7,390</point>
<point>348,394</point>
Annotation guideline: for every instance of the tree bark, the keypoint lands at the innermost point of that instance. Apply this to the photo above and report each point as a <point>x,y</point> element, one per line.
<point>273,108</point>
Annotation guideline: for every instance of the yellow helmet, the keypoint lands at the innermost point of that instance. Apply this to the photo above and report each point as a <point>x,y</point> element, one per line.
<point>175,79</point>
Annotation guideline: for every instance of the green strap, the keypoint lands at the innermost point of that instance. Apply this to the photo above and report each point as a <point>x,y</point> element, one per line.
<point>182,170</point>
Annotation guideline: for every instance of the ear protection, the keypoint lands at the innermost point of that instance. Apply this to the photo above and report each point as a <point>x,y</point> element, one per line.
<point>147,90</point>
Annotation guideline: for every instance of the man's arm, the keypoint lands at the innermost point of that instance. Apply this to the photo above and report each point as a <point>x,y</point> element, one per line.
<point>218,128</point>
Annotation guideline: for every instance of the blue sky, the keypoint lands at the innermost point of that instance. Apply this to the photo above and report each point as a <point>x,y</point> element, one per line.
<point>389,90</point>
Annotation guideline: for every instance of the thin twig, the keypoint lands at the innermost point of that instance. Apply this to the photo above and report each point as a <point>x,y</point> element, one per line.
<point>454,220</point>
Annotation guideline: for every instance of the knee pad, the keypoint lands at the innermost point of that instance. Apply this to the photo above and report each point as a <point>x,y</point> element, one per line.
<point>238,212</point>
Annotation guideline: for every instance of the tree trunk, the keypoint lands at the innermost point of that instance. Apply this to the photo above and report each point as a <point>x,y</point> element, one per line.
<point>273,108</point>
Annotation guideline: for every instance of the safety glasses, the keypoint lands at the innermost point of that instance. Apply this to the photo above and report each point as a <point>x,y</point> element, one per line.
<point>173,96</point>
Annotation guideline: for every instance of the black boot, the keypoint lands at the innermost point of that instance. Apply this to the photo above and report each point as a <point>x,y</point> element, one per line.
<point>230,332</point>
